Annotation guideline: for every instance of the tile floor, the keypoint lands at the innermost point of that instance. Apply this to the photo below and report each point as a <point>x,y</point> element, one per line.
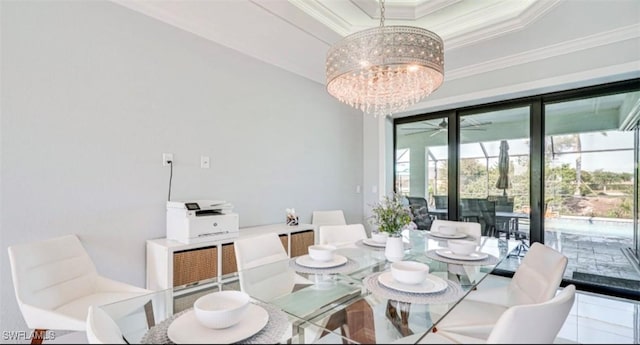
<point>588,253</point>
<point>595,319</point>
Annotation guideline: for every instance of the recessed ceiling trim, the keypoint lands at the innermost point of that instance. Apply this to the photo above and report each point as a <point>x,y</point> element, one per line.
<point>393,10</point>
<point>563,48</point>
<point>525,18</point>
<point>324,15</point>
<point>556,83</point>
<point>428,7</point>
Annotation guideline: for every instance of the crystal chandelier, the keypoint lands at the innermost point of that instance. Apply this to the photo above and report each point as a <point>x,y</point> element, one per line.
<point>386,69</point>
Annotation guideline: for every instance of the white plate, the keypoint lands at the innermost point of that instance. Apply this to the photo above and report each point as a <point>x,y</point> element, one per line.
<point>373,243</point>
<point>307,261</point>
<point>186,329</point>
<point>430,285</point>
<point>438,234</point>
<point>447,253</point>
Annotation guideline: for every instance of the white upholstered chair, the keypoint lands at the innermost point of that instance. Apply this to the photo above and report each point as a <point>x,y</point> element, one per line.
<point>536,280</point>
<point>537,323</point>
<point>473,230</point>
<point>333,217</point>
<point>56,282</point>
<point>263,267</point>
<point>101,329</point>
<point>341,235</point>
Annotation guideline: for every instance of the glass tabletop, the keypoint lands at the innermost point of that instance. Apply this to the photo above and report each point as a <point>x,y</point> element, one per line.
<point>353,299</point>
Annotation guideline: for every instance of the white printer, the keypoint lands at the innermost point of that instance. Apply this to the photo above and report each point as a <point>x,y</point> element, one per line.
<point>201,221</point>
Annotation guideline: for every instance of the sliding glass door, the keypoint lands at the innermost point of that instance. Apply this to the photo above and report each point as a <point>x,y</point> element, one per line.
<point>493,170</point>
<point>589,182</point>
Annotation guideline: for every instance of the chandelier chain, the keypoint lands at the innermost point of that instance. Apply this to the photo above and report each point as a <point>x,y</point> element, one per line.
<point>381,13</point>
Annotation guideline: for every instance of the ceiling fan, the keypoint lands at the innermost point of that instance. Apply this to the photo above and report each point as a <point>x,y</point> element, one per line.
<point>443,126</point>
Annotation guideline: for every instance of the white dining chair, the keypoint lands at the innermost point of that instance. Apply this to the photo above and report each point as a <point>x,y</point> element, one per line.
<point>471,229</point>
<point>536,323</point>
<point>473,232</point>
<point>536,280</point>
<point>101,328</point>
<point>332,217</point>
<point>341,235</point>
<point>55,283</point>
<point>263,267</point>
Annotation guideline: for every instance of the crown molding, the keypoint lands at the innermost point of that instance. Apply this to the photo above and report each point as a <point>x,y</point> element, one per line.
<point>557,83</point>
<point>324,15</point>
<point>562,48</point>
<point>527,17</point>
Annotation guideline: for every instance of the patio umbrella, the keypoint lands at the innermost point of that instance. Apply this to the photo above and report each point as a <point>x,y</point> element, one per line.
<point>503,167</point>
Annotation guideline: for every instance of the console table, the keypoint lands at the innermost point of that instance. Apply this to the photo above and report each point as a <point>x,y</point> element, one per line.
<point>171,263</point>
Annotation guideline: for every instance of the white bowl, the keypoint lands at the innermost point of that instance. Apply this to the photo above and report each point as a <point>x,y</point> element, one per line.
<point>221,309</point>
<point>321,252</point>
<point>380,237</point>
<point>409,272</point>
<point>447,230</point>
<point>462,247</point>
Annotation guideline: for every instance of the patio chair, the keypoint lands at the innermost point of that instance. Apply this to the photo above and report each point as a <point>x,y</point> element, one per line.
<point>488,212</point>
<point>441,201</point>
<point>420,212</point>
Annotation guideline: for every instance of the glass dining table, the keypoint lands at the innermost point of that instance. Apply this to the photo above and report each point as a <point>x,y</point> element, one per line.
<point>351,299</point>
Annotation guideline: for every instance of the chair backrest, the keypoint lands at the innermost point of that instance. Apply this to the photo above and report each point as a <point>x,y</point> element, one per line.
<point>538,276</point>
<point>420,211</point>
<point>335,217</point>
<point>101,329</point>
<point>416,201</point>
<point>50,273</point>
<point>473,230</point>
<point>504,204</point>
<point>441,201</point>
<point>259,250</point>
<point>515,325</point>
<point>340,235</point>
<point>263,266</point>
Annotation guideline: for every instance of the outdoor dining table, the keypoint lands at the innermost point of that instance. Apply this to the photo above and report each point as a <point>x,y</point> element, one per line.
<point>299,304</point>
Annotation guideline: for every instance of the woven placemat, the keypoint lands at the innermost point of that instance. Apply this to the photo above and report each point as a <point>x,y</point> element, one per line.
<point>271,333</point>
<point>348,267</point>
<point>489,260</point>
<point>452,293</point>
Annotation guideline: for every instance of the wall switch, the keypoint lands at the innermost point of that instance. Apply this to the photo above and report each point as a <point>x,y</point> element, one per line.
<point>204,162</point>
<point>374,189</point>
<point>358,189</point>
<point>165,158</point>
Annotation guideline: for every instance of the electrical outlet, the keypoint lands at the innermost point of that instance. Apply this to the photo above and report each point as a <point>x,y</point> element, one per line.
<point>204,162</point>
<point>165,158</point>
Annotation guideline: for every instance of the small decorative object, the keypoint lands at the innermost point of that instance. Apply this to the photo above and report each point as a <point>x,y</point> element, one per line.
<point>391,216</point>
<point>292,219</point>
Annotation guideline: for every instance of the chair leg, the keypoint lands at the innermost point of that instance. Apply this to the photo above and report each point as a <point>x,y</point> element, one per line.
<point>38,336</point>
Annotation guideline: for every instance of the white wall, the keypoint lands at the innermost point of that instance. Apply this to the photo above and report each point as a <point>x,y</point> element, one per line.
<point>93,93</point>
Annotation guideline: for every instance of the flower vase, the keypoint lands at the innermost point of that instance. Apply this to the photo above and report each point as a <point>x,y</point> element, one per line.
<point>394,249</point>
